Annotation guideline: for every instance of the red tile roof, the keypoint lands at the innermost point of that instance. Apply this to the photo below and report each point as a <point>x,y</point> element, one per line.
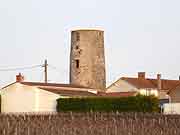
<point>62,89</point>
<point>150,83</point>
<point>51,84</point>
<point>71,93</point>
<point>166,84</point>
<point>174,88</point>
<point>139,83</point>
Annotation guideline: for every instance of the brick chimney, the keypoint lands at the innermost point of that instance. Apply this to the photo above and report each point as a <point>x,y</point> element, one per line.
<point>19,78</point>
<point>141,75</point>
<point>159,84</point>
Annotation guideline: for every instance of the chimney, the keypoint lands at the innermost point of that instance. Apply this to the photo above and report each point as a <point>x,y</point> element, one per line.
<point>159,84</point>
<point>141,75</point>
<point>19,78</point>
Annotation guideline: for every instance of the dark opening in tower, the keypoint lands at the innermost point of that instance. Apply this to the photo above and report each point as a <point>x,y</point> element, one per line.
<point>77,63</point>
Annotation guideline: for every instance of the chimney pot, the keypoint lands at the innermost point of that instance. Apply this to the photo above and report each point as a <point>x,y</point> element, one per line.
<point>141,75</point>
<point>159,85</point>
<point>158,76</point>
<point>19,78</point>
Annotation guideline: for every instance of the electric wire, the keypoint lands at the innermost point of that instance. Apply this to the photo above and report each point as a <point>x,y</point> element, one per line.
<point>21,68</point>
<point>53,67</point>
<point>58,70</point>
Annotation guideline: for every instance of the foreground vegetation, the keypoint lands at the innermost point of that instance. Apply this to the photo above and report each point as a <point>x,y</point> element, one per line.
<point>137,103</point>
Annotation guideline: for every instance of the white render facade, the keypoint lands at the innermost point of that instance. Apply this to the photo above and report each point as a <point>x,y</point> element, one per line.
<point>171,108</point>
<point>21,98</point>
<point>124,86</point>
<point>121,86</point>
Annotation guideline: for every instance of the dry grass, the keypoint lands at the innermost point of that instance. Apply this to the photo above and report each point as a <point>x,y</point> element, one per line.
<point>89,124</point>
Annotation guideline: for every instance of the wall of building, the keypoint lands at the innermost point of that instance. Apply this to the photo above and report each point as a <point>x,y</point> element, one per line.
<point>87,60</point>
<point>124,86</point>
<point>89,124</point>
<point>121,86</point>
<point>148,92</point>
<point>47,101</point>
<point>17,98</point>
<point>163,94</point>
<point>171,108</point>
<point>22,98</point>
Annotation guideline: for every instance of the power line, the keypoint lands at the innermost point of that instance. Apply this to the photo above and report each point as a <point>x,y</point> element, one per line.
<point>21,68</point>
<point>53,67</point>
<point>56,69</point>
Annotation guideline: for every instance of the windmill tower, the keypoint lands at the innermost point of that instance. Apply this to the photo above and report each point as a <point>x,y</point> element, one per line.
<point>87,60</point>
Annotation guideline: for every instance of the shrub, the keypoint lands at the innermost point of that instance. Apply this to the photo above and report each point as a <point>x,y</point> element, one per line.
<point>137,103</point>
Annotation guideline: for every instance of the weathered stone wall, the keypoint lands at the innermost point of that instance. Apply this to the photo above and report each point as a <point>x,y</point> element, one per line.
<point>87,60</point>
<point>89,124</point>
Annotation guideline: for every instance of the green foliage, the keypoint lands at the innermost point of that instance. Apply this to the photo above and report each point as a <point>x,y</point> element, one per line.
<point>137,103</point>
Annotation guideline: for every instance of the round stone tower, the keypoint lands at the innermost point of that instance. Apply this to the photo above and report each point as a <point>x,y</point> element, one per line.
<point>87,60</point>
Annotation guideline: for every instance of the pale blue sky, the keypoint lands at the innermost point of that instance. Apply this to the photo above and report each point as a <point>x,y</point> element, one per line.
<point>140,35</point>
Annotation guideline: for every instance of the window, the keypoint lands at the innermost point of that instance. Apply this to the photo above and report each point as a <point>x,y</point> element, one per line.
<point>100,34</point>
<point>77,47</point>
<point>77,63</point>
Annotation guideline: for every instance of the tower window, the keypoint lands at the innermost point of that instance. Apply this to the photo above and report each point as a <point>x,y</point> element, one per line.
<point>77,47</point>
<point>77,36</point>
<point>77,63</point>
<point>100,34</point>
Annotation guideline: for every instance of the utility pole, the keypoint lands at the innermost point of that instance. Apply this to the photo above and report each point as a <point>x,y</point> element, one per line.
<point>45,71</point>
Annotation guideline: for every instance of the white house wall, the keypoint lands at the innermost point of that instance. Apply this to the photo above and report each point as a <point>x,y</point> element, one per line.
<point>18,98</point>
<point>121,86</point>
<point>22,98</point>
<point>148,92</point>
<point>47,101</point>
<point>172,108</point>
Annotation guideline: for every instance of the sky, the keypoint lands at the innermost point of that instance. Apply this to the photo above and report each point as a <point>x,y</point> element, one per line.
<point>140,35</point>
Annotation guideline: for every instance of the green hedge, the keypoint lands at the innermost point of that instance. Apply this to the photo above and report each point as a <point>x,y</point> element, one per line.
<point>137,103</point>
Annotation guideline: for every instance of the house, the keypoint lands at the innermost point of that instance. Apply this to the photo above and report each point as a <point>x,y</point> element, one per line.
<point>145,86</point>
<point>23,96</point>
<point>173,107</point>
<point>174,94</point>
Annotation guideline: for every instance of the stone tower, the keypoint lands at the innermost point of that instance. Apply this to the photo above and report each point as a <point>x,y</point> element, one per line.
<point>87,60</point>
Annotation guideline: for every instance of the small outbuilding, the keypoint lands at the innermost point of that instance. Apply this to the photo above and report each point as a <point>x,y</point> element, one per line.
<point>23,96</point>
